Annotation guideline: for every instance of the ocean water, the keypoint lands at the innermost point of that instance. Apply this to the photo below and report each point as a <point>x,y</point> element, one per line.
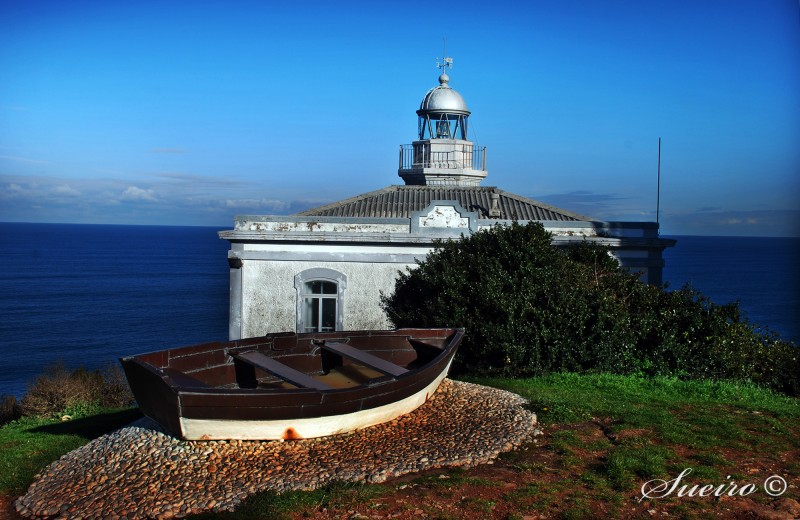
<point>761,273</point>
<point>88,294</point>
<point>85,295</point>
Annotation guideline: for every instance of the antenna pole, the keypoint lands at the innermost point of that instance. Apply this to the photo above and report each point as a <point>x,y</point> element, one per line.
<point>658,192</point>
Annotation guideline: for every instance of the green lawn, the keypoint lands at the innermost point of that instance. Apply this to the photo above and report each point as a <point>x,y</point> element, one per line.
<point>28,445</point>
<point>604,436</point>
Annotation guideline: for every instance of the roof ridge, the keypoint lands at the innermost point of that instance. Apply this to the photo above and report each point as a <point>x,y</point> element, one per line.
<point>423,187</point>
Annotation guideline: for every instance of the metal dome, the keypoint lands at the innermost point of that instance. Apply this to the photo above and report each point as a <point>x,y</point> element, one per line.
<point>443,99</point>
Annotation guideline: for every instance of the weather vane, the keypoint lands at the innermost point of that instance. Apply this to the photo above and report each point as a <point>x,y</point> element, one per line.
<point>446,62</point>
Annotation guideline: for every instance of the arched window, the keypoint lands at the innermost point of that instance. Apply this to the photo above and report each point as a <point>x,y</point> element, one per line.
<point>320,295</point>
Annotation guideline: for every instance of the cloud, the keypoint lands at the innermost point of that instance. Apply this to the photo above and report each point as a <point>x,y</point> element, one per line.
<point>175,199</point>
<point>261,204</point>
<point>66,190</point>
<point>604,206</point>
<point>705,220</point>
<point>23,159</point>
<point>187,199</point>
<point>109,171</point>
<point>583,198</point>
<point>738,221</point>
<point>170,150</point>
<point>134,193</point>
<point>199,180</point>
<point>766,222</point>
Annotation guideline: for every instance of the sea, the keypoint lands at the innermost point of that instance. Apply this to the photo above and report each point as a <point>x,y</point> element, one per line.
<point>85,295</point>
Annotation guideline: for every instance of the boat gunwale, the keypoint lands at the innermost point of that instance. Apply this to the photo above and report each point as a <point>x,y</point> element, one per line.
<point>454,339</point>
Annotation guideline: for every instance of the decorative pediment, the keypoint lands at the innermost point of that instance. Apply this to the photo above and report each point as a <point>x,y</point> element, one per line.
<point>444,217</point>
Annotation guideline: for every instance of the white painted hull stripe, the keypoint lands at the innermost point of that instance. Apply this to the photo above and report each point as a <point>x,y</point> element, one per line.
<point>211,429</point>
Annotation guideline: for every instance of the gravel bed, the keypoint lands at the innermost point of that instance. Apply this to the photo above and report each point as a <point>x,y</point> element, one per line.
<point>141,472</point>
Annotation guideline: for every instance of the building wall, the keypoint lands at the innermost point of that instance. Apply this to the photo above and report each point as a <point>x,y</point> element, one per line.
<point>267,253</point>
<point>269,297</point>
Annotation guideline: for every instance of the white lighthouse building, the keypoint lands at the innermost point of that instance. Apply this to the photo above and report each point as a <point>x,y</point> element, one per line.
<point>325,268</point>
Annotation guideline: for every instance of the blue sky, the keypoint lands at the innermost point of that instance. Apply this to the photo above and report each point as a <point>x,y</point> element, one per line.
<point>189,113</point>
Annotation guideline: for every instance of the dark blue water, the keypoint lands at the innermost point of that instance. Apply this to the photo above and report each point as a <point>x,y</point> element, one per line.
<point>86,295</point>
<point>761,273</point>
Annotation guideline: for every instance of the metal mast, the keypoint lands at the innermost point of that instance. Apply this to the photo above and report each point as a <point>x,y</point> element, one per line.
<point>658,189</point>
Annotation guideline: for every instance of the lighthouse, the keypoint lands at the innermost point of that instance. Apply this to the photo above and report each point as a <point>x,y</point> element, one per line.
<point>326,267</point>
<point>442,155</point>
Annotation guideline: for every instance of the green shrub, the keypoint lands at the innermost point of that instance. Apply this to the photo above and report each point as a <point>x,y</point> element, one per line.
<point>531,308</point>
<point>80,392</point>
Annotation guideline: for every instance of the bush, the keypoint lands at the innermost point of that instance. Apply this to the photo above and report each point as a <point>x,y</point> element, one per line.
<point>59,391</point>
<point>10,409</point>
<point>530,308</point>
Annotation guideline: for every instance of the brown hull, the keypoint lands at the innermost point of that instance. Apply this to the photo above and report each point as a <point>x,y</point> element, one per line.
<point>214,383</point>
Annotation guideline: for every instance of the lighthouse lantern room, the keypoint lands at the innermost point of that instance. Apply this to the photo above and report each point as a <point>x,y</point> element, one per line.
<point>443,155</point>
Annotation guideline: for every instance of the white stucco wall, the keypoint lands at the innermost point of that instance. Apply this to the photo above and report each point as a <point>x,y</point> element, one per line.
<point>267,252</point>
<point>269,298</point>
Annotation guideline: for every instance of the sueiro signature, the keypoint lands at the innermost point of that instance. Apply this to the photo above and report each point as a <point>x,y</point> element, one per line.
<point>774,485</point>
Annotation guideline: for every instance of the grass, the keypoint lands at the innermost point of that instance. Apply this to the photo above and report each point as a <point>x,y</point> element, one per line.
<point>339,495</point>
<point>637,400</point>
<point>654,428</point>
<point>606,435</point>
<point>695,414</point>
<point>454,477</point>
<point>27,445</point>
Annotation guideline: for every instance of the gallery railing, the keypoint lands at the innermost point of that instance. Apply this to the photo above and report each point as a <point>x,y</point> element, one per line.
<point>460,156</point>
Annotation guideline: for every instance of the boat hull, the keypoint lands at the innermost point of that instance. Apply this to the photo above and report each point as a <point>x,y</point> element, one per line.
<point>323,426</point>
<point>188,390</point>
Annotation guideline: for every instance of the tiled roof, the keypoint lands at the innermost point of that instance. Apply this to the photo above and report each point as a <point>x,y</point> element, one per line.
<point>401,201</point>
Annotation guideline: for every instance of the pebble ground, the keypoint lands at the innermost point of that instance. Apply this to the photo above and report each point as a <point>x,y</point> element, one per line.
<point>141,472</point>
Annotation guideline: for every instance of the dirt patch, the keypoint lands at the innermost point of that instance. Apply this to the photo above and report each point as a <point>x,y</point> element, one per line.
<point>7,511</point>
<point>542,479</point>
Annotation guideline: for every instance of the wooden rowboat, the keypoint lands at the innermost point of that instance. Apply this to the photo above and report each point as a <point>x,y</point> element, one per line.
<point>291,386</point>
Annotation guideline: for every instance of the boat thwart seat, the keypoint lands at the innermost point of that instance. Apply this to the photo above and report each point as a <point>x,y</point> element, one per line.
<point>183,380</point>
<point>364,358</point>
<point>278,369</point>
